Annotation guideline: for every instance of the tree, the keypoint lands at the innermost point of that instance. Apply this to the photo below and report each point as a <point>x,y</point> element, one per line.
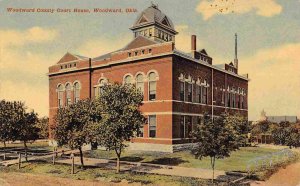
<point>215,139</point>
<point>43,125</point>
<point>4,130</point>
<point>9,116</point>
<point>264,126</point>
<point>122,118</point>
<point>293,140</point>
<point>76,125</point>
<point>241,127</point>
<point>280,133</point>
<point>27,129</point>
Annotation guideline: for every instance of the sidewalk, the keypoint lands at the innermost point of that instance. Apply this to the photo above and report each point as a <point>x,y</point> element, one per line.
<point>148,168</point>
<point>129,166</point>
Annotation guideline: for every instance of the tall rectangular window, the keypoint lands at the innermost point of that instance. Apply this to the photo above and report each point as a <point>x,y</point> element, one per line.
<point>228,99</point>
<point>223,94</point>
<point>76,92</point>
<point>242,101</point>
<point>68,98</point>
<point>68,94</point>
<point>238,101</point>
<point>152,86</point>
<point>188,126</point>
<point>205,95</point>
<point>181,91</point>
<point>96,94</point>
<point>60,99</point>
<point>231,97</point>
<point>189,93</point>
<point>182,127</point>
<point>198,94</point>
<point>140,83</point>
<point>199,120</point>
<point>152,126</point>
<point>152,90</point>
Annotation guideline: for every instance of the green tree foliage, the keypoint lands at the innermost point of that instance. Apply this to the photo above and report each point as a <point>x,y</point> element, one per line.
<point>10,115</point>
<point>43,126</point>
<point>27,129</point>
<point>240,127</point>
<point>293,140</point>
<point>286,133</point>
<point>261,127</point>
<point>217,138</point>
<point>76,125</point>
<point>5,128</point>
<point>122,118</point>
<point>16,123</point>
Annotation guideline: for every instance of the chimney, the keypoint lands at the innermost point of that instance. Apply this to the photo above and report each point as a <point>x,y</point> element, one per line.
<point>236,61</point>
<point>193,43</point>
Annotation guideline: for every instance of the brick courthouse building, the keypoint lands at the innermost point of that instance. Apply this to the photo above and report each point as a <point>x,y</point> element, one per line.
<point>178,87</point>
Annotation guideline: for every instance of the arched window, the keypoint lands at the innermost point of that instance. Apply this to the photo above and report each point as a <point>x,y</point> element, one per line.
<point>76,92</point>
<point>98,89</point>
<point>152,86</point>
<point>140,82</point>
<point>128,79</point>
<point>68,94</point>
<point>60,95</point>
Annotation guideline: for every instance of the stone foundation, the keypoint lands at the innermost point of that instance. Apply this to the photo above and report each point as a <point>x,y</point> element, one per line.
<point>160,147</point>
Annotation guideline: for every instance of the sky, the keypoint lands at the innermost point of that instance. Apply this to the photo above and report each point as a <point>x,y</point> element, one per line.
<point>268,43</point>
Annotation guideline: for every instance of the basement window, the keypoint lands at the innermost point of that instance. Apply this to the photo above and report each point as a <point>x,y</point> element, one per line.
<point>129,54</point>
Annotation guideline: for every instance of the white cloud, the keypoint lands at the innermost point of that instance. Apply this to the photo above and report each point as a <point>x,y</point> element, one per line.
<point>210,8</point>
<point>31,35</point>
<point>275,80</point>
<point>183,39</point>
<point>22,72</point>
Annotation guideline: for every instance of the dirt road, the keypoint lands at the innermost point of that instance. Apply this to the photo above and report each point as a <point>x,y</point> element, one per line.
<point>289,176</point>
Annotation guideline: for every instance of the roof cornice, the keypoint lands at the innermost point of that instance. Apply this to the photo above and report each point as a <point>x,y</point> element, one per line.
<point>132,59</point>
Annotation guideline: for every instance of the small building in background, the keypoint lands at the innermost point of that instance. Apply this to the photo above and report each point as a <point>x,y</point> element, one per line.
<point>277,119</point>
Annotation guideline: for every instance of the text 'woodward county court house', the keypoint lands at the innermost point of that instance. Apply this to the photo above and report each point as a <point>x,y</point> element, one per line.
<point>178,87</point>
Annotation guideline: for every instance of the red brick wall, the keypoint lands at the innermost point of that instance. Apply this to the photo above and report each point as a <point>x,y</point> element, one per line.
<point>167,106</point>
<point>197,70</point>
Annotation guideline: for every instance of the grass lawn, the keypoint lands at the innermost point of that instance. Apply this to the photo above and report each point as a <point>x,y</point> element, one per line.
<point>36,144</point>
<point>236,162</point>
<point>100,174</point>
